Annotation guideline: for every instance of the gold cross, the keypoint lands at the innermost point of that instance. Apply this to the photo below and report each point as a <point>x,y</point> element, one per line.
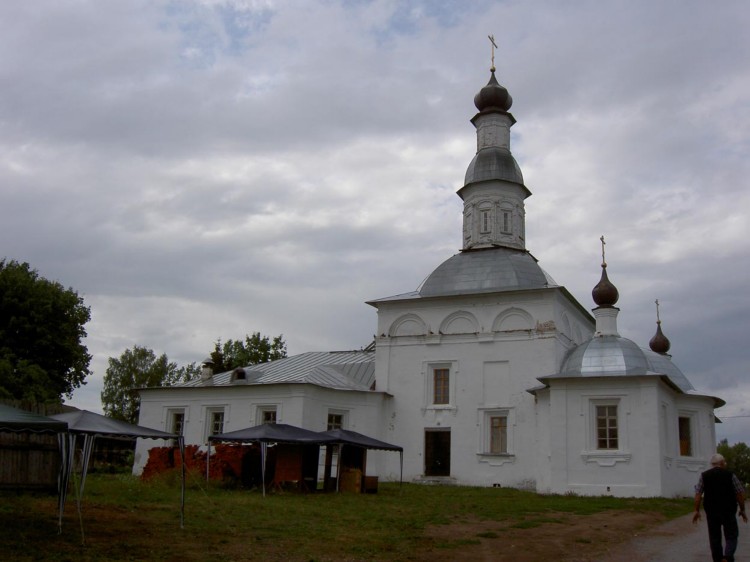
<point>604,262</point>
<point>658,320</point>
<point>492,48</point>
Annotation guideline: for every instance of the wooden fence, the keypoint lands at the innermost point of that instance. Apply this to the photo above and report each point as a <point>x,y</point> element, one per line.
<point>30,460</point>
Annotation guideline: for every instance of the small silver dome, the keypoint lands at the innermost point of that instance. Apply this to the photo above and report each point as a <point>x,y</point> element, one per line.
<point>659,363</point>
<point>486,271</point>
<point>493,163</point>
<point>614,356</point>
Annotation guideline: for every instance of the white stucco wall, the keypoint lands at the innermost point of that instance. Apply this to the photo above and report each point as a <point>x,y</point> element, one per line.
<point>647,462</point>
<point>496,346</point>
<point>301,405</point>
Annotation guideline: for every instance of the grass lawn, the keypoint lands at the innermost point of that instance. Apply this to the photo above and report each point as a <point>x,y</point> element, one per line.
<point>127,519</point>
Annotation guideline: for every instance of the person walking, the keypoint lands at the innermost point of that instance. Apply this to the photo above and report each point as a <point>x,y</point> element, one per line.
<point>721,492</point>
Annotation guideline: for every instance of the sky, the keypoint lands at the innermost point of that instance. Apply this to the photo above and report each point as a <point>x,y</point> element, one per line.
<point>202,170</point>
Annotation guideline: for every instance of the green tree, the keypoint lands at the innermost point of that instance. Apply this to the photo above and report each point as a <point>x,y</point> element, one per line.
<point>255,349</point>
<point>42,357</point>
<point>183,374</point>
<point>737,457</point>
<point>138,368</point>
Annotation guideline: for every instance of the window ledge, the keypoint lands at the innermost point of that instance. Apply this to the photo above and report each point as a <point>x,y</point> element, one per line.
<point>496,459</point>
<point>691,464</point>
<point>606,458</point>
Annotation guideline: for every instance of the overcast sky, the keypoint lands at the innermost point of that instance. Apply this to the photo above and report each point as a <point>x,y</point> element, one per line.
<point>204,170</point>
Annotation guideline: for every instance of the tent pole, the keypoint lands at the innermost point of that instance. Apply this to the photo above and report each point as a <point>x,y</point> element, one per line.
<point>181,445</point>
<point>208,459</point>
<point>263,450</point>
<point>77,485</point>
<point>338,467</point>
<point>88,448</point>
<point>67,446</point>
<point>401,478</point>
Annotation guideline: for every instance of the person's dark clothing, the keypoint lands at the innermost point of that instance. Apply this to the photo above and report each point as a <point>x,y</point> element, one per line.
<point>727,521</point>
<point>720,488</point>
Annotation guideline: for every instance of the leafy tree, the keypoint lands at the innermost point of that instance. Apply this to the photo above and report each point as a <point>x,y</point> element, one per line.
<point>738,458</point>
<point>42,357</point>
<point>138,368</point>
<point>183,374</point>
<point>254,350</point>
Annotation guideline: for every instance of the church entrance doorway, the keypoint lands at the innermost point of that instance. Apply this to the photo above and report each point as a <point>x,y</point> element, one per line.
<point>437,452</point>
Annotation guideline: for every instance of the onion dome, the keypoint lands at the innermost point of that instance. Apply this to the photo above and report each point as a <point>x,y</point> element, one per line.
<point>493,96</point>
<point>659,343</point>
<point>605,293</point>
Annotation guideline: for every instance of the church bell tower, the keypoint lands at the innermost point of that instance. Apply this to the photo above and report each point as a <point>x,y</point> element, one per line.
<point>493,191</point>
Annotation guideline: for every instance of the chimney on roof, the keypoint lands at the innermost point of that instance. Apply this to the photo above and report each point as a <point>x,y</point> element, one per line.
<point>207,369</point>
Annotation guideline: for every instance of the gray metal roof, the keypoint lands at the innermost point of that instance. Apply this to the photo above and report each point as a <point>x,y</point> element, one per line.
<point>486,271</point>
<point>614,356</point>
<point>493,163</point>
<point>663,364</point>
<point>400,297</point>
<point>342,370</point>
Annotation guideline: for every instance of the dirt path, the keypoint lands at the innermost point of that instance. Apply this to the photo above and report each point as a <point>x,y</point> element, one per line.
<point>675,541</point>
<point>605,537</point>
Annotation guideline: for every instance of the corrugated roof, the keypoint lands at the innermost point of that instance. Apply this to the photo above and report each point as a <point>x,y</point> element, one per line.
<point>343,370</point>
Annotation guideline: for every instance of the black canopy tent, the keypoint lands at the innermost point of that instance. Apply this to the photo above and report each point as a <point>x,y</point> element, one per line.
<point>283,433</point>
<point>20,421</point>
<point>13,420</point>
<point>265,434</point>
<point>346,437</point>
<point>90,425</point>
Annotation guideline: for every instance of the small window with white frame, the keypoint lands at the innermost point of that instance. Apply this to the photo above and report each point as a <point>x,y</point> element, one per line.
<point>441,390</point>
<point>608,434</point>
<point>176,420</point>
<point>607,427</point>
<point>498,435</point>
<point>440,384</point>
<point>214,421</point>
<point>266,414</point>
<point>496,427</point>
<point>336,419</point>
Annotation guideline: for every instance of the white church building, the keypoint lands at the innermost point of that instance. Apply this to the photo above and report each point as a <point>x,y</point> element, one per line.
<point>490,373</point>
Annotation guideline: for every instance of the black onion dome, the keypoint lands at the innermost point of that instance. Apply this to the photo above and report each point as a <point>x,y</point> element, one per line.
<point>493,95</point>
<point>659,343</point>
<point>605,293</point>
